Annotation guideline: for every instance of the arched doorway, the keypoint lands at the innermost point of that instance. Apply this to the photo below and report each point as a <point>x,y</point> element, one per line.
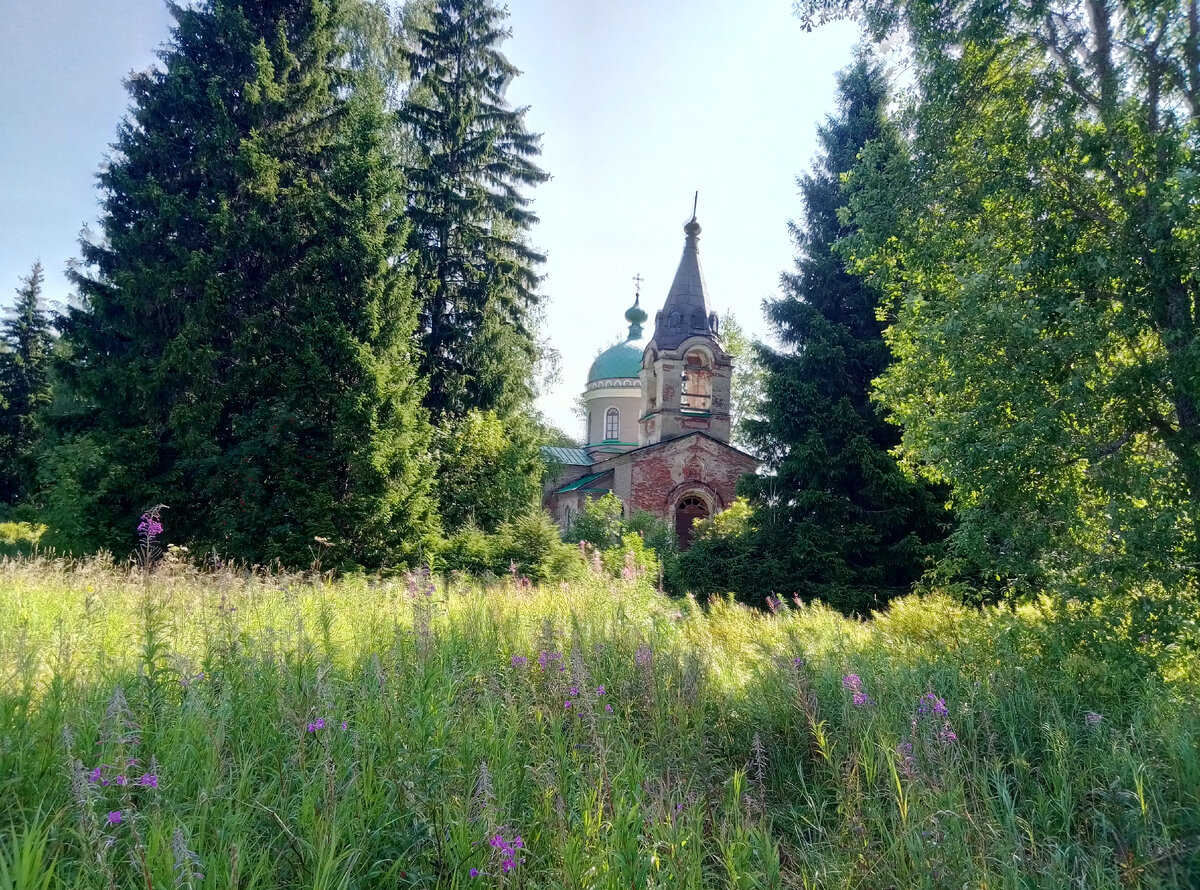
<point>690,508</point>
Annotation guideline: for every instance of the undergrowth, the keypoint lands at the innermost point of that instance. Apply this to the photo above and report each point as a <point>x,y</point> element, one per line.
<point>220,729</point>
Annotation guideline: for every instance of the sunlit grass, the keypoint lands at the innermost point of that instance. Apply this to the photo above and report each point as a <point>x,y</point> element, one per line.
<point>725,751</point>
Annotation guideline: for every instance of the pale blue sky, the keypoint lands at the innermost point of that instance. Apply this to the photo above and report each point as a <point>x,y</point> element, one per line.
<point>640,104</point>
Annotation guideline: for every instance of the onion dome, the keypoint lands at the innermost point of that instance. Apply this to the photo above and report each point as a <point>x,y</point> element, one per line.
<point>624,360</point>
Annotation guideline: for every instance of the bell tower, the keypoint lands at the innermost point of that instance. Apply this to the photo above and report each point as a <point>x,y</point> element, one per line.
<point>685,371</point>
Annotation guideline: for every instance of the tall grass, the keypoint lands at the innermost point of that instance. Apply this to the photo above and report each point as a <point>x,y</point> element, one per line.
<point>219,730</point>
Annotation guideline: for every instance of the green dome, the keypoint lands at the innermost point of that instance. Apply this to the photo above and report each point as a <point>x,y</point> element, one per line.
<point>624,359</point>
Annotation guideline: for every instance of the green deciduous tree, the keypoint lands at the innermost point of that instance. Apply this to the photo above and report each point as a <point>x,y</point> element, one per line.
<point>243,348</point>
<point>476,277</point>
<point>746,386</point>
<point>25,346</point>
<point>1039,248</point>
<point>834,511</point>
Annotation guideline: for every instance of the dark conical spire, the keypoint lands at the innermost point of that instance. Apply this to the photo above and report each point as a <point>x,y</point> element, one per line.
<point>687,312</point>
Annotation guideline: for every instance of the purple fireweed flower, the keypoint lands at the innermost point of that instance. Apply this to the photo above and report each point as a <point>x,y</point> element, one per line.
<point>115,817</point>
<point>149,527</point>
<point>574,690</point>
<point>149,780</point>
<point>608,708</point>
<point>861,700</point>
<point>852,681</point>
<point>599,690</point>
<point>1092,718</point>
<point>343,726</point>
<point>643,656</point>
<point>119,780</point>
<point>520,661</point>
<point>474,872</point>
<point>947,734</point>
<point>507,851</point>
<point>567,703</point>
<point>773,604</point>
<point>931,705</point>
<point>94,776</point>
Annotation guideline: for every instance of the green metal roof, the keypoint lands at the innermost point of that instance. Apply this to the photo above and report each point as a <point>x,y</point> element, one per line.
<point>571,457</point>
<point>584,483</point>
<point>622,360</point>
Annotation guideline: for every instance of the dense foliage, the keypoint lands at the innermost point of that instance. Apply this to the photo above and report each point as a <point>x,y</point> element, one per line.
<point>242,350</point>
<point>469,158</point>
<point>476,277</point>
<point>834,516</point>
<point>25,352</point>
<point>1039,247</point>
<point>622,545</point>
<point>261,731</point>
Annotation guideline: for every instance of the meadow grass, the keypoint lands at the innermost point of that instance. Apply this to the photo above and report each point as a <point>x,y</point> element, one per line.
<point>226,729</point>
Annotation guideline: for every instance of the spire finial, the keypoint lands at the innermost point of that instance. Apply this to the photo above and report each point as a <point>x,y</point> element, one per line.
<point>636,315</point>
<point>692,226</point>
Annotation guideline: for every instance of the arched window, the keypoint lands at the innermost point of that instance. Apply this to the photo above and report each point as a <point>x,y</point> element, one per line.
<point>612,424</point>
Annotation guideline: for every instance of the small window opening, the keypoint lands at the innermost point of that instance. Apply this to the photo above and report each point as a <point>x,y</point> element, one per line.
<point>612,424</point>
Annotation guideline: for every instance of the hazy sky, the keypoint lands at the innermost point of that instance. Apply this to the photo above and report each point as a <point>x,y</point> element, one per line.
<point>641,103</point>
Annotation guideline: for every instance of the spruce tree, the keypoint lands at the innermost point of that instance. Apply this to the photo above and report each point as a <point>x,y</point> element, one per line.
<point>834,514</point>
<point>25,344</point>
<point>476,277</point>
<point>242,352</point>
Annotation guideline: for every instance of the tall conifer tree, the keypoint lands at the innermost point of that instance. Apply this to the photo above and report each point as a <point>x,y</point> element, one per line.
<point>476,277</point>
<point>834,513</point>
<point>25,342</point>
<point>243,345</point>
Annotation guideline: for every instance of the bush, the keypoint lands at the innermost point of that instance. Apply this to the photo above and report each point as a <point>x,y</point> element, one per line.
<point>20,538</point>
<point>723,558</point>
<point>531,543</point>
<point>601,524</point>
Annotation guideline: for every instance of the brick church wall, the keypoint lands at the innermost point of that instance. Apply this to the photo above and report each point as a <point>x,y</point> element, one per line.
<point>661,475</point>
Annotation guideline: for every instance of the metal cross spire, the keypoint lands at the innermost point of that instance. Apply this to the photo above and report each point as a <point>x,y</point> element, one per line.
<point>637,286</point>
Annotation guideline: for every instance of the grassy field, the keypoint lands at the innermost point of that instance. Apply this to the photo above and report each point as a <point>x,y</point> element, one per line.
<point>220,730</point>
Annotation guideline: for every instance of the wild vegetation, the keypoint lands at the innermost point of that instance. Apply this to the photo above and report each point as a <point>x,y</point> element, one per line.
<point>225,728</point>
<point>308,337</point>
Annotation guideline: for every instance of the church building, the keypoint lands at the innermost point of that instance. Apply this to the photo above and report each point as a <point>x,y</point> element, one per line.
<point>658,415</point>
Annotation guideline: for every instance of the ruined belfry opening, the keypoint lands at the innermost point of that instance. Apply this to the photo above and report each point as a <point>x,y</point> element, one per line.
<point>697,381</point>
